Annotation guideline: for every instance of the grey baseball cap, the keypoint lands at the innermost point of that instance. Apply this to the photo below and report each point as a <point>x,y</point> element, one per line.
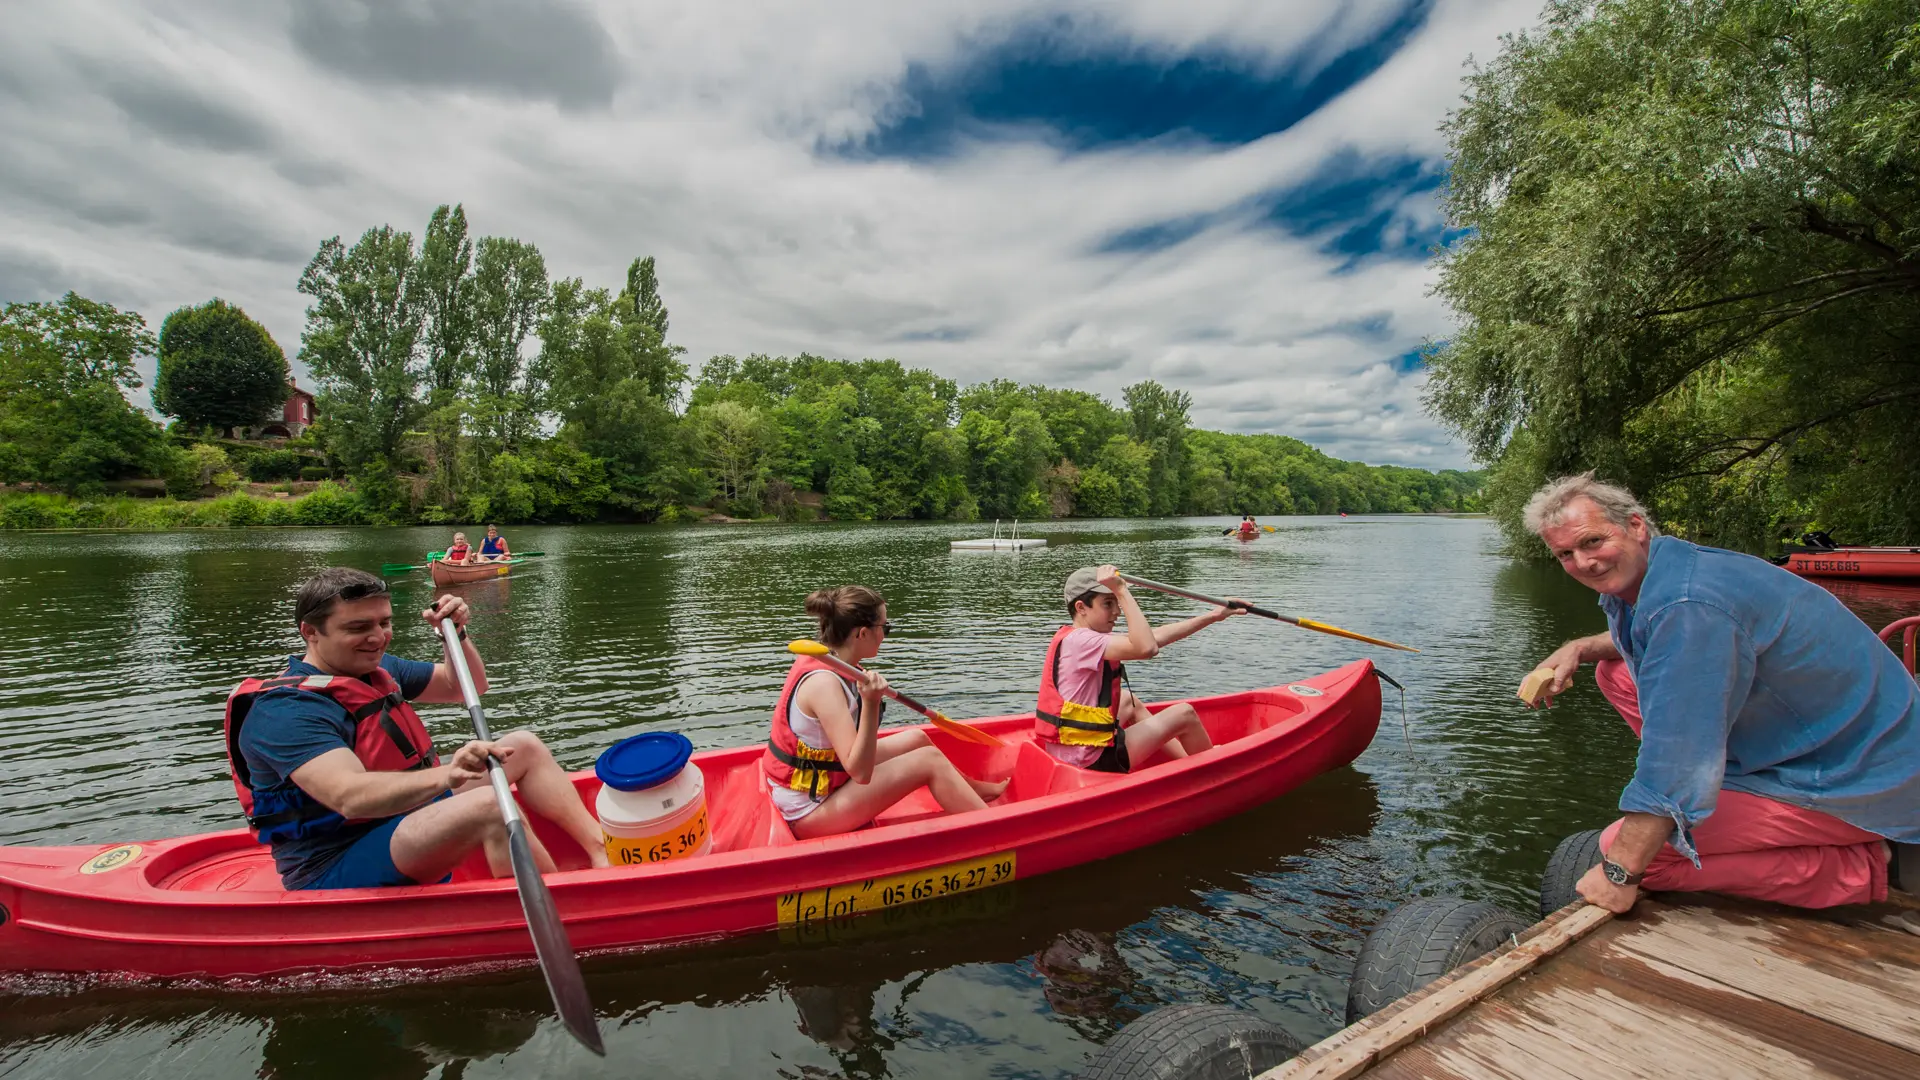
<point>1083,581</point>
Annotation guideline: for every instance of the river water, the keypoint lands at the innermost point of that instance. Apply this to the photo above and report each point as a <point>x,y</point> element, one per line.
<point>117,650</point>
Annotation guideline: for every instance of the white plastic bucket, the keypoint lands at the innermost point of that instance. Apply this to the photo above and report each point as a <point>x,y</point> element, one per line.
<point>653,801</point>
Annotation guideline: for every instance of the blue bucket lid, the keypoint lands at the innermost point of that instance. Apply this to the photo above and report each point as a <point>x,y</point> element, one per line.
<point>643,761</point>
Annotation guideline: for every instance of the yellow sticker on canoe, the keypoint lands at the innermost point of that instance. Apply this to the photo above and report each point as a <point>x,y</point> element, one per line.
<point>876,894</point>
<point>111,859</point>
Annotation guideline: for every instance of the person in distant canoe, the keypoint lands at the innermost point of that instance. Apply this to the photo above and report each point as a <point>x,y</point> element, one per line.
<point>459,552</point>
<point>828,771</point>
<point>1084,716</point>
<point>335,770</point>
<point>1249,528</point>
<point>1779,739</point>
<point>494,547</point>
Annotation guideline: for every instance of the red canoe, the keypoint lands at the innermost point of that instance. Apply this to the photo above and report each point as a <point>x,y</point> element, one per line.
<point>446,573</point>
<point>211,905</point>
<point>1857,562</point>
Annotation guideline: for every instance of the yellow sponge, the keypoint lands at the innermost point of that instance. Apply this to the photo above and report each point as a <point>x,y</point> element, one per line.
<point>1536,681</point>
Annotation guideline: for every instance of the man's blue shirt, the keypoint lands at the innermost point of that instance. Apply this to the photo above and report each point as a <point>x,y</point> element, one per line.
<point>287,728</point>
<point>1759,681</point>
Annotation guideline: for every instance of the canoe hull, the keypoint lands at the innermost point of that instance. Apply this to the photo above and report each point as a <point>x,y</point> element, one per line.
<point>445,574</point>
<point>209,906</point>
<point>1886,564</point>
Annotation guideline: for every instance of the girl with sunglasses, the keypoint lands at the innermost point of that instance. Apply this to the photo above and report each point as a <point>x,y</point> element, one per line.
<point>828,771</point>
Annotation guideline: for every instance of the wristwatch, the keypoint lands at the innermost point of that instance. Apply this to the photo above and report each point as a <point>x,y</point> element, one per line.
<point>1617,873</point>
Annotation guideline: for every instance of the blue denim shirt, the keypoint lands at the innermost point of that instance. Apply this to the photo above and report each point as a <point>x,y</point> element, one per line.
<point>1759,681</point>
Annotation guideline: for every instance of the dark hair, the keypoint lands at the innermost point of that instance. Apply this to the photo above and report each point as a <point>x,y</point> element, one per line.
<point>317,595</point>
<point>844,609</point>
<point>1084,598</point>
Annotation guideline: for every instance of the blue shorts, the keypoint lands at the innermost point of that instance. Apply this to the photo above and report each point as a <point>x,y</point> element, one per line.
<point>368,862</point>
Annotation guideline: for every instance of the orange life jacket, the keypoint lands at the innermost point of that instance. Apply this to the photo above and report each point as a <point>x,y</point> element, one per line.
<point>388,737</point>
<point>1055,719</point>
<point>791,763</point>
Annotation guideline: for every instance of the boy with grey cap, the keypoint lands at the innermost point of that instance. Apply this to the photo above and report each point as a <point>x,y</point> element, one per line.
<point>1085,716</point>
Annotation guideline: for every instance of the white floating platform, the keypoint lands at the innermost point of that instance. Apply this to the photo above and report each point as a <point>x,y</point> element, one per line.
<point>1001,544</point>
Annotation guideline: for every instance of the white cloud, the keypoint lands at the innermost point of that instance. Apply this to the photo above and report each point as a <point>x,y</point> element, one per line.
<point>158,154</point>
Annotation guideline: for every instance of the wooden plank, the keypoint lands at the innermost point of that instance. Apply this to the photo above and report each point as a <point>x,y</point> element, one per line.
<point>1686,998</point>
<point>1862,931</point>
<point>1881,1001</point>
<point>1577,1024</point>
<point>1351,1051</point>
<point>1473,1060</point>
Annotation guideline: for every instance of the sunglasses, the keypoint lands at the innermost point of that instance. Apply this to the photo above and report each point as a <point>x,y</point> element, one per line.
<point>360,590</point>
<point>886,626</point>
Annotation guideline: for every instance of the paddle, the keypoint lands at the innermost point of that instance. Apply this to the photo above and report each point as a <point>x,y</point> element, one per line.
<point>940,720</point>
<point>1263,528</point>
<point>557,962</point>
<point>510,554</point>
<point>1304,624</point>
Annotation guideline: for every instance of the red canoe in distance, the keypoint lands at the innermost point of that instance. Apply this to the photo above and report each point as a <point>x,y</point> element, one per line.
<point>210,906</point>
<point>1883,563</point>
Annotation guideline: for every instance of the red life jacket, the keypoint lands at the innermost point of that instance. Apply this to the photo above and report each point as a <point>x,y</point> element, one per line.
<point>1057,720</point>
<point>791,763</point>
<point>1248,528</point>
<point>388,737</point>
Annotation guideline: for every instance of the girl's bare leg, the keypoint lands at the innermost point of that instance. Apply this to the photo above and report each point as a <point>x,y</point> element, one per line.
<point>854,805</point>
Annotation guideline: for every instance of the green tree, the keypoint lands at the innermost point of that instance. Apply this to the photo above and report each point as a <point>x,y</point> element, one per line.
<point>1693,262</point>
<point>510,301</point>
<point>1159,420</point>
<point>737,441</point>
<point>361,342</point>
<point>443,282</point>
<point>641,314</point>
<point>65,420</point>
<point>218,368</point>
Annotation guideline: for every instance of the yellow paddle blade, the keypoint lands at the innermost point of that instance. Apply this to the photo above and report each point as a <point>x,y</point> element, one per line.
<point>965,732</point>
<point>1337,632</point>
<point>1269,528</point>
<point>807,648</point>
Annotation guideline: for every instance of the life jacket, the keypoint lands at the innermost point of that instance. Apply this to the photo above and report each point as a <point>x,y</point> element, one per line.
<point>1057,720</point>
<point>387,737</point>
<point>1248,528</point>
<point>493,545</point>
<point>458,553</point>
<point>790,762</point>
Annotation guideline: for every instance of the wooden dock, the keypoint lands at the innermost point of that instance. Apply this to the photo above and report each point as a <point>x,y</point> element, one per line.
<point>1684,986</point>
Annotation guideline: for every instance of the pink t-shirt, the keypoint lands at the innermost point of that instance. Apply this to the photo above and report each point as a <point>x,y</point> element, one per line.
<point>1079,682</point>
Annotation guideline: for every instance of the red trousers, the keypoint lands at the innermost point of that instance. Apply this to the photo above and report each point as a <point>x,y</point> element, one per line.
<point>1757,847</point>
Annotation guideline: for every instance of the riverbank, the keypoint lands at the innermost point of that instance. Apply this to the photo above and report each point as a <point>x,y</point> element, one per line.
<point>327,504</point>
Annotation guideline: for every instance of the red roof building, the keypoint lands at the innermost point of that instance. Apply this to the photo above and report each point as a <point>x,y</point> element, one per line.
<point>296,415</point>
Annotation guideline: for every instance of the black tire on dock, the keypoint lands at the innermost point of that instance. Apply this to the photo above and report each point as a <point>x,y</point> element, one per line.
<point>1420,941</point>
<point>1576,855</point>
<point>1193,1042</point>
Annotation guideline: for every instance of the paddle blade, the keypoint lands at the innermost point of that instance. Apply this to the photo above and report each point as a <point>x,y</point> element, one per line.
<point>557,962</point>
<point>807,648</point>
<point>1324,628</point>
<point>397,568</point>
<point>963,732</point>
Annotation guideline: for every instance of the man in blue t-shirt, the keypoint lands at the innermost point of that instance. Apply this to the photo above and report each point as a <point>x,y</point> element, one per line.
<point>387,827</point>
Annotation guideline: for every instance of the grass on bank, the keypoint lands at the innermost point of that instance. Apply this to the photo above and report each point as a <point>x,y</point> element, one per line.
<point>329,504</point>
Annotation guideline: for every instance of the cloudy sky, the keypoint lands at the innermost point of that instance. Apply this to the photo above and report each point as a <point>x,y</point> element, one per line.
<point>1234,198</point>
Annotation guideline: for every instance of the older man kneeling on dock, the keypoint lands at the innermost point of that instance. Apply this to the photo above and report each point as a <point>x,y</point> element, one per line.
<point>1779,738</point>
